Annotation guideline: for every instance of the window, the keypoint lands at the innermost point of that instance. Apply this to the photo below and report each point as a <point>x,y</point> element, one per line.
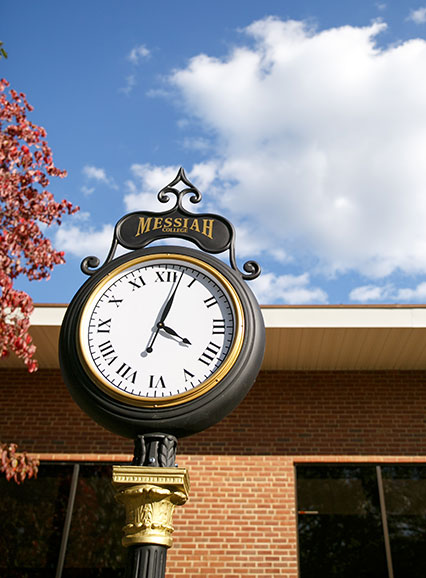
<point>405,495</point>
<point>361,521</point>
<point>65,523</point>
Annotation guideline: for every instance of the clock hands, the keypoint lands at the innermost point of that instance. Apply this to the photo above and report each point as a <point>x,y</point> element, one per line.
<point>168,330</point>
<point>169,302</point>
<point>160,323</point>
<point>171,331</point>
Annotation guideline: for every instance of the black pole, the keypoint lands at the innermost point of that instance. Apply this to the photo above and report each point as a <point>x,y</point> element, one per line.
<point>155,450</point>
<point>146,561</point>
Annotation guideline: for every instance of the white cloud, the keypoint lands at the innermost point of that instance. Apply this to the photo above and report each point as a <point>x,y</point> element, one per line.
<point>290,289</point>
<point>98,175</point>
<point>147,180</point>
<point>389,293</point>
<point>87,190</point>
<point>130,84</point>
<point>413,295</point>
<point>319,143</point>
<point>135,56</point>
<point>150,179</point>
<point>157,93</point>
<point>95,173</point>
<point>367,293</point>
<point>196,144</point>
<point>203,176</point>
<point>81,241</point>
<point>138,53</point>
<point>418,16</point>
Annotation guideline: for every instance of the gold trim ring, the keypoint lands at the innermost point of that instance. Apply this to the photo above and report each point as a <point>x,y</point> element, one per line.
<point>197,391</point>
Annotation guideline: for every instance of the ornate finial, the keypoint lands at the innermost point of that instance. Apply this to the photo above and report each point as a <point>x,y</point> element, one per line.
<point>163,195</point>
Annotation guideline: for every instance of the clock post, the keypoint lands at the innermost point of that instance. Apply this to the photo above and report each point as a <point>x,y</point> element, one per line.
<point>150,489</point>
<point>161,343</point>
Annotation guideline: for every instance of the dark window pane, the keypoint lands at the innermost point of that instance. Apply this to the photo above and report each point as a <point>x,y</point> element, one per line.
<point>405,497</point>
<point>94,545</point>
<point>31,520</point>
<point>340,529</point>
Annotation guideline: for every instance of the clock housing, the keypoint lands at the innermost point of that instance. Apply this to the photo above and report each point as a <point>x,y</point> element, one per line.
<point>162,339</point>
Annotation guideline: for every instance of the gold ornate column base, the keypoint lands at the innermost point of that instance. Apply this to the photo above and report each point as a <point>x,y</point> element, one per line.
<point>150,496</point>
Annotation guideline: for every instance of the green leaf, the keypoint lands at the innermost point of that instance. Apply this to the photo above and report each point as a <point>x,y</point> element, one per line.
<point>2,51</point>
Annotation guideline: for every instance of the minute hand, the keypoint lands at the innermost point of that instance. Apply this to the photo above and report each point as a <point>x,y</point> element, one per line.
<point>169,303</point>
<point>160,322</point>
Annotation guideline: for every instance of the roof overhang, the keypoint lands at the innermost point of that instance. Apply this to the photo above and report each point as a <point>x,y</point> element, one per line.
<point>299,337</point>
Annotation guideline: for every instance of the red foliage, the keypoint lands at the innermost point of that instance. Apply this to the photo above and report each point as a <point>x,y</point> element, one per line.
<point>26,165</point>
<point>17,466</point>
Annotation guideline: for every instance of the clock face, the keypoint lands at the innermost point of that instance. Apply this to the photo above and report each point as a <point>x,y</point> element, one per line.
<point>160,330</point>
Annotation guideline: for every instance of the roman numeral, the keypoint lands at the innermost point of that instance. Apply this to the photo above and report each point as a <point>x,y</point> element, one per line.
<point>116,301</point>
<point>137,284</point>
<point>104,326</point>
<point>192,282</point>
<point>189,374</point>
<point>126,372</point>
<point>210,353</point>
<point>210,302</point>
<point>106,350</point>
<point>167,276</point>
<point>156,382</point>
<point>218,326</point>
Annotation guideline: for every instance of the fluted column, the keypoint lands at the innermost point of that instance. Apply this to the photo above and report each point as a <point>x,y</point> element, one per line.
<point>150,495</point>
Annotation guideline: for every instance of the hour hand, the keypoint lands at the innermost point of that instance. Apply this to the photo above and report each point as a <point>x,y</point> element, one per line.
<point>171,331</point>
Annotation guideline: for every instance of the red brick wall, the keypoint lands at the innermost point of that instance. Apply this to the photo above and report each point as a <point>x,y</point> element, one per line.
<point>285,414</point>
<point>240,520</point>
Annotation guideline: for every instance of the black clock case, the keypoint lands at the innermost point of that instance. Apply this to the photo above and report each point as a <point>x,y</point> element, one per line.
<point>179,420</point>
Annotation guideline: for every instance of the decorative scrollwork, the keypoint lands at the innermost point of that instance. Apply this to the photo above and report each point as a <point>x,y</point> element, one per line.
<point>139,454</point>
<point>90,265</point>
<point>211,233</point>
<point>164,195</point>
<point>252,268</point>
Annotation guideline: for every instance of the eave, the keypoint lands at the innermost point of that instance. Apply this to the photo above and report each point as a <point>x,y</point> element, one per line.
<point>299,337</point>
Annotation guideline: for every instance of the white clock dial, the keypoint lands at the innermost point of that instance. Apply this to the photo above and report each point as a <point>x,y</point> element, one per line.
<point>161,329</point>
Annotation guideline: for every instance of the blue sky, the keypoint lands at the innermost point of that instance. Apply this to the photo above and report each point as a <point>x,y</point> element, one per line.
<point>304,123</point>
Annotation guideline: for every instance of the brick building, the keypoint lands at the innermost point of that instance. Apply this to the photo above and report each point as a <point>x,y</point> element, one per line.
<point>321,471</point>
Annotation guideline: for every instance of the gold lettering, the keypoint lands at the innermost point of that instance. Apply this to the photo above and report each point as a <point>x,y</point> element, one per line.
<point>158,223</point>
<point>208,228</point>
<point>144,226</point>
<point>177,224</point>
<point>195,226</point>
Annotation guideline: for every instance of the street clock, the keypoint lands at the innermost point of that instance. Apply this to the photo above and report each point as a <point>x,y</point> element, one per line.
<point>164,338</point>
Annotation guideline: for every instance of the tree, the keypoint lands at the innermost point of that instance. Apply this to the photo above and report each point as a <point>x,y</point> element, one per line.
<point>26,164</point>
<point>17,467</point>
